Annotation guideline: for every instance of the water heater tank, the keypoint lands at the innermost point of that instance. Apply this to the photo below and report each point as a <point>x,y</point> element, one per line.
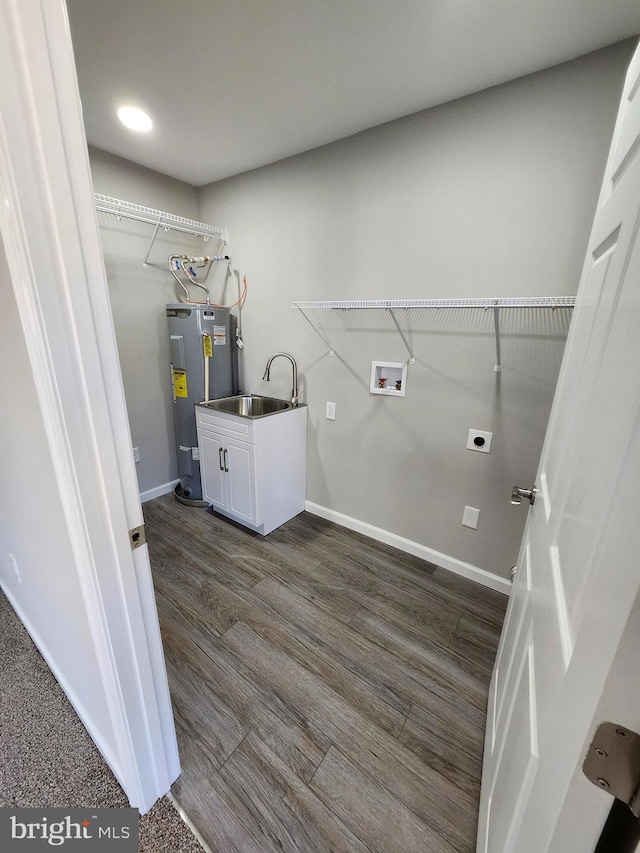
<point>193,331</point>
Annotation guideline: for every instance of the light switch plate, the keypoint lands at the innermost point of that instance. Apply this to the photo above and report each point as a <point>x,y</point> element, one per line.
<point>479,440</point>
<point>470,517</point>
<point>331,412</point>
<point>136,454</point>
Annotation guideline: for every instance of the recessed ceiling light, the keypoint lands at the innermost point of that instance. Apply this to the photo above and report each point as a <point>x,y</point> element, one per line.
<point>135,119</point>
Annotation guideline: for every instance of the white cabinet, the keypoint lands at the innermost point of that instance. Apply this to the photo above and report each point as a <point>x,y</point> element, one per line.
<point>254,469</point>
<point>228,475</point>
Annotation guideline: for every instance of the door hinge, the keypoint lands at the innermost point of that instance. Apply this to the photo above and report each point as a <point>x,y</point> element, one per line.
<point>613,764</point>
<point>137,537</point>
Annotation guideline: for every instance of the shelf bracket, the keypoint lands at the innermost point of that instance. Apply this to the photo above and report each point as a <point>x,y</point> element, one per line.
<point>145,263</point>
<point>496,322</point>
<point>317,331</point>
<point>402,335</point>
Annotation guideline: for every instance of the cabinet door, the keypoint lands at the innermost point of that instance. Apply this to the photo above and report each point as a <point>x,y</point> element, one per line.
<point>241,479</point>
<point>211,468</point>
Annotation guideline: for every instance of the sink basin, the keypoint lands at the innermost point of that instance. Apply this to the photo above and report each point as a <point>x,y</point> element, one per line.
<point>248,405</point>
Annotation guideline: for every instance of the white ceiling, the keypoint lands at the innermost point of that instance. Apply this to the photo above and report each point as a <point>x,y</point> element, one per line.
<point>235,85</point>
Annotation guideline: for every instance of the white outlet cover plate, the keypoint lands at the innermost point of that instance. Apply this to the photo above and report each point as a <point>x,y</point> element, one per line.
<point>478,433</point>
<point>330,413</point>
<point>470,517</point>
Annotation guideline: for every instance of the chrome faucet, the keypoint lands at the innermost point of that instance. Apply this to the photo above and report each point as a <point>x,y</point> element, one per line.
<point>267,374</point>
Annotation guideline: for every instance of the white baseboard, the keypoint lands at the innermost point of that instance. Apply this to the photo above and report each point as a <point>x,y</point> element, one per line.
<point>81,711</point>
<point>158,491</point>
<point>452,564</point>
<point>185,817</point>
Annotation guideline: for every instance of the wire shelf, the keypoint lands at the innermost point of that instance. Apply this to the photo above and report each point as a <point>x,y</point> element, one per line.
<point>129,210</point>
<point>493,302</point>
<point>481,302</point>
<point>159,219</point>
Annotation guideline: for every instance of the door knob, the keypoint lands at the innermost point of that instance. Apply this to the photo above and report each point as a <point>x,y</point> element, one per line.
<point>517,494</point>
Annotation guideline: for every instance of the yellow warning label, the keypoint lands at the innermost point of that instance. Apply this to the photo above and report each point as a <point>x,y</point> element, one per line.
<point>180,383</point>
<point>207,346</point>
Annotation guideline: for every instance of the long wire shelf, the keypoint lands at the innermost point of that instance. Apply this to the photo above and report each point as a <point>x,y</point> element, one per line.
<point>479,302</point>
<point>494,302</point>
<point>159,219</point>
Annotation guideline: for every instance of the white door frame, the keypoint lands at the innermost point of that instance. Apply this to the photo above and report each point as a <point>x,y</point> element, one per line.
<point>50,232</point>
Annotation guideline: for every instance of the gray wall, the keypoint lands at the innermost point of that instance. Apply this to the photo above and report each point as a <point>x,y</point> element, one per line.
<point>490,195</point>
<point>34,529</point>
<point>138,297</point>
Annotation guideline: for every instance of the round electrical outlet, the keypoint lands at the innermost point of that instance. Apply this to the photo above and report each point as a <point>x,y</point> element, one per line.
<point>479,441</point>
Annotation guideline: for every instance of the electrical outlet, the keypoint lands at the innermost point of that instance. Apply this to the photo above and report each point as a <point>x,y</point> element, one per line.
<point>136,454</point>
<point>479,440</point>
<point>470,517</point>
<point>16,570</point>
<point>331,412</point>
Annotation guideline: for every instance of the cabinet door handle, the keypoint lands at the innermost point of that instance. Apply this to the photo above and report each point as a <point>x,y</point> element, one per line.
<point>220,458</point>
<point>226,460</point>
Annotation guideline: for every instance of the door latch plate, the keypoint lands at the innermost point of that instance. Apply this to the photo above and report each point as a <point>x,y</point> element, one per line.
<point>137,537</point>
<point>613,764</point>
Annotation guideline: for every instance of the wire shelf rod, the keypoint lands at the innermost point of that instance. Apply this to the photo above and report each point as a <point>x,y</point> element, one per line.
<point>496,325</point>
<point>317,331</point>
<point>412,359</point>
<point>476,302</point>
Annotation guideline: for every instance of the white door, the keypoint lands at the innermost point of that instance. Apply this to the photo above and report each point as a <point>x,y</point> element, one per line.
<point>578,573</point>
<point>212,468</point>
<point>241,478</point>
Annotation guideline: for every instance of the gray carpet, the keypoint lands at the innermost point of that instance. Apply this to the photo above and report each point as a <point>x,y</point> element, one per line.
<point>47,758</point>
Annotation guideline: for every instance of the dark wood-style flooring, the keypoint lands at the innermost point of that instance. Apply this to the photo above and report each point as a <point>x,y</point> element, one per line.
<point>329,692</point>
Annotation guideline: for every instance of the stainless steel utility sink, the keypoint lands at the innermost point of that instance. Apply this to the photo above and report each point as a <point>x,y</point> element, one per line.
<point>248,405</point>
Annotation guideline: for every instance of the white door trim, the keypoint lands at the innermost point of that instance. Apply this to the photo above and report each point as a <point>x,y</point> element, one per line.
<point>49,228</point>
